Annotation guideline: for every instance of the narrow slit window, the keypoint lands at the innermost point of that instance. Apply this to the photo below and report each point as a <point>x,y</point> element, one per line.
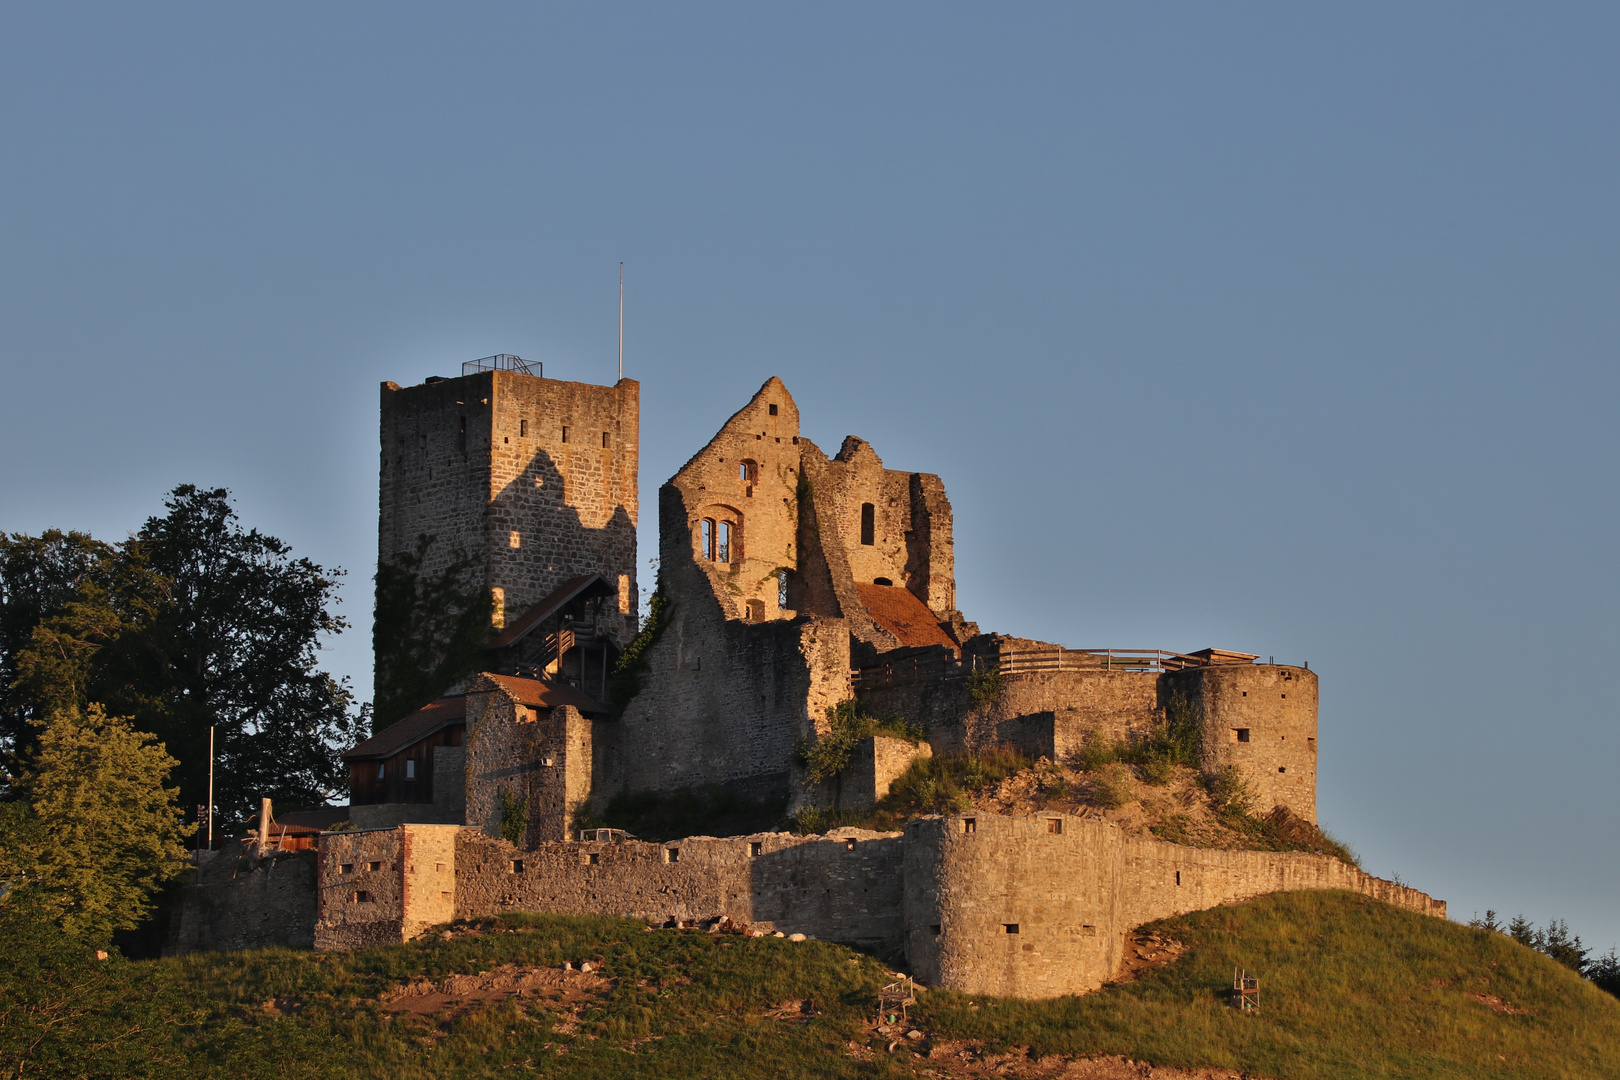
<point>1178,877</point>
<point>523,429</point>
<point>781,589</point>
<point>868,524</point>
<point>706,537</point>
<point>565,435</point>
<point>604,440</point>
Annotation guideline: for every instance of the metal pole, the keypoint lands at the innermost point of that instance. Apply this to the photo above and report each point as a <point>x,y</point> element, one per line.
<point>621,320</point>
<point>210,787</point>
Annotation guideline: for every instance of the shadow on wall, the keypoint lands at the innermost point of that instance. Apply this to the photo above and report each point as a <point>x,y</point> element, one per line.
<point>539,540</point>
<point>846,889</point>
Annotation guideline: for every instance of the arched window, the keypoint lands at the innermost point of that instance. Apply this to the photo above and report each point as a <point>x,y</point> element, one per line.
<point>706,538</point>
<point>868,524</point>
<point>756,610</point>
<point>722,542</point>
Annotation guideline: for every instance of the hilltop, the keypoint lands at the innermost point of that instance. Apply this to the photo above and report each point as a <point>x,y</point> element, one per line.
<point>1349,988</point>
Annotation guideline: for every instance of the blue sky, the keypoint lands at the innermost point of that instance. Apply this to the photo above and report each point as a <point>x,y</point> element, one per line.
<point>1281,328</point>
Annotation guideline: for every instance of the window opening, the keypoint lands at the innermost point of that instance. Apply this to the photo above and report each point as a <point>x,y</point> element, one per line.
<point>882,581</point>
<point>382,770</point>
<point>362,897</point>
<point>1009,928</point>
<point>970,825</point>
<point>748,472</point>
<point>781,589</point>
<point>565,435</point>
<point>514,539</point>
<point>706,537</point>
<point>755,849</point>
<point>523,429</point>
<point>517,866</point>
<point>722,542</point>
<point>346,868</point>
<point>1240,734</point>
<point>773,410</point>
<point>592,858</point>
<point>374,866</point>
<point>410,769</point>
<point>935,929</point>
<point>1054,825</point>
<point>604,440</point>
<point>756,610</point>
<point>868,524</point>
<point>1282,768</point>
<point>1178,877</point>
<point>672,854</point>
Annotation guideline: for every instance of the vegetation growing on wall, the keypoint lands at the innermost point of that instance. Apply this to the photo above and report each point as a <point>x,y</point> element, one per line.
<point>630,669</point>
<point>514,817</point>
<point>428,629</point>
<point>827,755</point>
<point>984,686</point>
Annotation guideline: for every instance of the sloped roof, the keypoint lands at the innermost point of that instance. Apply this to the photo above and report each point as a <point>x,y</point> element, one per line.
<point>311,820</point>
<point>571,589</point>
<point>539,694</point>
<point>412,729</point>
<point>903,615</point>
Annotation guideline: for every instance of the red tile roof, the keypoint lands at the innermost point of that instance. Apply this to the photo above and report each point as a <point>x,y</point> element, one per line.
<point>537,693</point>
<point>412,729</point>
<point>903,615</point>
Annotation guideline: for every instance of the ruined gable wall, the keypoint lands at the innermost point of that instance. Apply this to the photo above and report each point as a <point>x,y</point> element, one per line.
<point>762,507</point>
<point>843,887</point>
<point>1021,907</point>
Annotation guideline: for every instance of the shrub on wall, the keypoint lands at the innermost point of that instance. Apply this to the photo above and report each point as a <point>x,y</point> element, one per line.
<point>630,668</point>
<point>848,724</point>
<point>428,629</point>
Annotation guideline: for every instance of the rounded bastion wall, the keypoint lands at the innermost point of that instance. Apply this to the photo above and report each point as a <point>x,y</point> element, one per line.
<point>1262,719</point>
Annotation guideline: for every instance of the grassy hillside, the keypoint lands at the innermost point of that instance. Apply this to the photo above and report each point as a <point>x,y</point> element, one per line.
<point>1350,988</point>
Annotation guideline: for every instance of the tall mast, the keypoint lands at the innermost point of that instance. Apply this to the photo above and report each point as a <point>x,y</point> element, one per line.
<point>621,320</point>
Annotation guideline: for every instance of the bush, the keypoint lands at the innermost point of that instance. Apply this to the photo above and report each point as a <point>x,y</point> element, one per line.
<point>828,755</point>
<point>1113,786</point>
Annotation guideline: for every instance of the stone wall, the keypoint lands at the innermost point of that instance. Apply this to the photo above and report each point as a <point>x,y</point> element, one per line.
<point>873,766</point>
<point>537,756</point>
<point>1045,714</point>
<point>1261,718</point>
<point>360,888</point>
<point>1258,717</point>
<point>1039,906</point>
<point>234,901</point>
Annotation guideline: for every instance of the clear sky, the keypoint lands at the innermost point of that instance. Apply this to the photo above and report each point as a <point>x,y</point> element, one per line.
<point>1283,328</point>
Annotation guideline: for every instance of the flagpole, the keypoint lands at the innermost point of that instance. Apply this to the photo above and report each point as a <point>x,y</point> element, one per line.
<point>621,320</point>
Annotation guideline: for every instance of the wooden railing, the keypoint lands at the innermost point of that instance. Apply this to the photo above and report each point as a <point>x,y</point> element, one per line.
<point>1029,662</point>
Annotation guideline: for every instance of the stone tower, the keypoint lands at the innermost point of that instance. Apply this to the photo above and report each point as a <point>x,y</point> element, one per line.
<point>529,482</point>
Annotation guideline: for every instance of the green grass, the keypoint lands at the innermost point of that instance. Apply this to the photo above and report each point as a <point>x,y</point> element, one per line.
<point>1349,988</point>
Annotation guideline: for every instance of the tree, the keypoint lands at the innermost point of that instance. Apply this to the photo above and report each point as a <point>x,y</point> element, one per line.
<point>101,832</point>
<point>194,621</point>
<point>38,577</point>
<point>1605,972</point>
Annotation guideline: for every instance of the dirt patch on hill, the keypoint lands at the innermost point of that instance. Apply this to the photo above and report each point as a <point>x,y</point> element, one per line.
<point>550,986</point>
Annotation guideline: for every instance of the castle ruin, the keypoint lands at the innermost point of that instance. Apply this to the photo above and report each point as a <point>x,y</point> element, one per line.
<point>790,583</point>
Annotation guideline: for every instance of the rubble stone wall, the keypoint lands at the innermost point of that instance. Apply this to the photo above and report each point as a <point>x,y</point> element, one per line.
<point>1039,906</point>
<point>237,902</point>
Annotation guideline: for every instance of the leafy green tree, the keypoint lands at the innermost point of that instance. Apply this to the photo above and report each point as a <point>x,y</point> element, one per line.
<point>101,833</point>
<point>39,576</point>
<point>194,621</point>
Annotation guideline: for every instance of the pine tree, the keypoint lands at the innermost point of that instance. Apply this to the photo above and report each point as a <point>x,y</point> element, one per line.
<point>102,832</point>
